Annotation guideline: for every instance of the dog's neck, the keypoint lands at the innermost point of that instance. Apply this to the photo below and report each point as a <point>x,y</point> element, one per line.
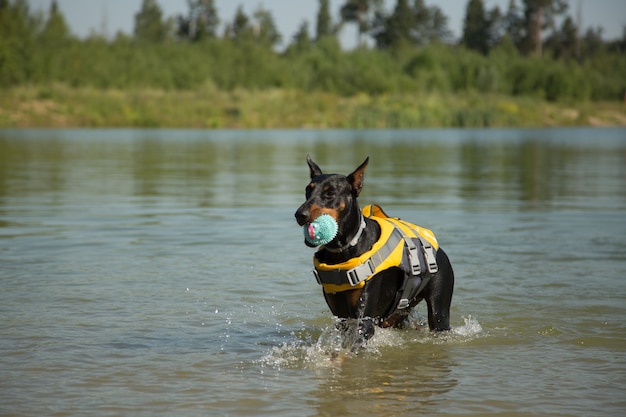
<point>356,236</point>
<point>352,242</point>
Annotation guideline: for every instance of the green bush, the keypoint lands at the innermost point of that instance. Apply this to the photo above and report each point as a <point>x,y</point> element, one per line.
<point>28,56</point>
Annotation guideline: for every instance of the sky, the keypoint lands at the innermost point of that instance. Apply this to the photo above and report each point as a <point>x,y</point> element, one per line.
<point>110,16</point>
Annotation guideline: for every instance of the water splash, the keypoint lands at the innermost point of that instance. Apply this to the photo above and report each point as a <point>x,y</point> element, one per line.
<point>336,343</point>
<point>327,349</point>
<point>471,328</point>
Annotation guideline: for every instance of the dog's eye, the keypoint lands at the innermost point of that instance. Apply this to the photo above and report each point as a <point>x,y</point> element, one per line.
<point>329,194</point>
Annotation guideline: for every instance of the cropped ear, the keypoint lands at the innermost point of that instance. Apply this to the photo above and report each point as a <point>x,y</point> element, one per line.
<point>315,170</point>
<point>356,178</point>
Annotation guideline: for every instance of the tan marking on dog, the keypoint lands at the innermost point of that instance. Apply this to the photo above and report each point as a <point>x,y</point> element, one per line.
<point>354,297</point>
<point>316,211</point>
<point>349,297</point>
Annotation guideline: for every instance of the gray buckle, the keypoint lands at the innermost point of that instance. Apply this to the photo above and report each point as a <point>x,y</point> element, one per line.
<point>360,273</point>
<point>413,257</point>
<point>431,258</point>
<point>404,303</point>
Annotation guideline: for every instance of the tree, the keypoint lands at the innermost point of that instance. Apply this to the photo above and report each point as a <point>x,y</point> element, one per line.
<point>17,41</point>
<point>265,30</point>
<point>475,27</point>
<point>496,27</point>
<point>538,16</point>
<point>240,27</point>
<point>324,21</point>
<point>621,44</point>
<point>359,11</point>
<point>56,28</point>
<point>261,28</point>
<point>513,24</point>
<point>592,43</point>
<point>418,25</point>
<point>563,43</point>
<point>302,39</point>
<point>482,29</point>
<point>49,61</point>
<point>438,26</point>
<point>149,26</point>
<point>422,21</point>
<point>396,28</point>
<point>202,22</point>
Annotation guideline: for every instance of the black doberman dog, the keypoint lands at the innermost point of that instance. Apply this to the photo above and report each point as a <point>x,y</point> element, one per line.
<point>375,300</point>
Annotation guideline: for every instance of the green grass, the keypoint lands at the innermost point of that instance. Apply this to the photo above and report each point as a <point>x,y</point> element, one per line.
<point>209,107</point>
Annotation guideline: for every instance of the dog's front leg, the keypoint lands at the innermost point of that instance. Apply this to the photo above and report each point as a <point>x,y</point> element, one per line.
<point>366,328</point>
<point>366,323</point>
<point>355,332</point>
<point>350,306</point>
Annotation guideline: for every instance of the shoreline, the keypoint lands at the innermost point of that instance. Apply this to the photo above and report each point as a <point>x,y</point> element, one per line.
<point>60,106</point>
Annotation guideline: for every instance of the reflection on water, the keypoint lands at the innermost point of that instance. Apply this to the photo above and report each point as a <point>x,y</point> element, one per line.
<point>400,382</point>
<point>161,272</point>
<point>225,168</point>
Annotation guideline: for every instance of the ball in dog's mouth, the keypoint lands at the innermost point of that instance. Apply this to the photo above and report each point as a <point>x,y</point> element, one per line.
<point>320,231</point>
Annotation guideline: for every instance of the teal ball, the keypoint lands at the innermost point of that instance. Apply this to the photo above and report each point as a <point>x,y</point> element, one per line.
<point>321,231</point>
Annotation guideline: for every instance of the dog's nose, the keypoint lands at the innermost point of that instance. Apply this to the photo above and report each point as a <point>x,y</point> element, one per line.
<point>302,216</point>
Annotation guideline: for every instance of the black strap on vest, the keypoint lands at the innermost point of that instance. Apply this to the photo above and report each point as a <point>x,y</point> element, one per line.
<point>422,258</point>
<point>419,258</point>
<point>361,272</point>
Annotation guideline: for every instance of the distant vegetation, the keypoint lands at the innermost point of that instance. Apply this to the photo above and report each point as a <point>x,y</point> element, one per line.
<point>534,50</point>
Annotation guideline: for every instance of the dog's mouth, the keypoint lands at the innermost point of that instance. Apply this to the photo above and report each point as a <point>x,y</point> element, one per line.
<point>306,226</point>
<point>320,231</point>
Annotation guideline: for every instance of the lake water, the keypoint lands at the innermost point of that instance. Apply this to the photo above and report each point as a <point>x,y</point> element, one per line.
<point>161,273</point>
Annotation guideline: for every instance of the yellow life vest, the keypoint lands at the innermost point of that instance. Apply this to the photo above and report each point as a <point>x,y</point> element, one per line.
<point>398,246</point>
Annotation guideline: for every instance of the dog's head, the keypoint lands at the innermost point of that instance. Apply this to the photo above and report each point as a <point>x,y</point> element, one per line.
<point>332,194</point>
